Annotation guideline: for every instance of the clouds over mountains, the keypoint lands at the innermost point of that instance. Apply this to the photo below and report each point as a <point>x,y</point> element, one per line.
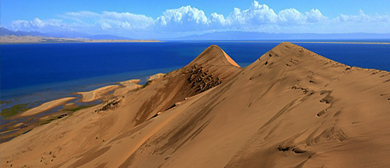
<point>186,19</point>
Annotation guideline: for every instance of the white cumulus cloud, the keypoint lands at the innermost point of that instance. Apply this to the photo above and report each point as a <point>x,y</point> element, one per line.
<point>85,20</point>
<point>291,16</point>
<point>187,19</point>
<point>35,24</point>
<point>256,14</point>
<point>315,15</point>
<point>362,17</point>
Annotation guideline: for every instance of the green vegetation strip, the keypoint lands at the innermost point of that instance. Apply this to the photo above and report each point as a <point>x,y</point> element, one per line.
<point>5,102</point>
<point>9,112</point>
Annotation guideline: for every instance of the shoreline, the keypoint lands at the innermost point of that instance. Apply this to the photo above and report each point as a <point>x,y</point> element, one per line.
<point>96,94</point>
<point>46,106</point>
<point>105,91</point>
<point>49,40</point>
<point>28,120</point>
<point>384,43</point>
<point>64,88</point>
<point>64,42</point>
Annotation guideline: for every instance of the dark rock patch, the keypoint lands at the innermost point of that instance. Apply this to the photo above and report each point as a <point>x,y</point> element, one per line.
<point>109,106</point>
<point>201,80</point>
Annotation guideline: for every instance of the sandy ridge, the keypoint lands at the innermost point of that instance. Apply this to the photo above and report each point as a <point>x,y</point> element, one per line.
<point>127,86</point>
<point>47,106</point>
<point>96,94</point>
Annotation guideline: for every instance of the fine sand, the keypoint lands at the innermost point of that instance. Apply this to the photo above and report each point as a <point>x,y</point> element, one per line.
<point>127,86</point>
<point>156,76</point>
<point>96,94</point>
<point>290,108</point>
<point>47,106</point>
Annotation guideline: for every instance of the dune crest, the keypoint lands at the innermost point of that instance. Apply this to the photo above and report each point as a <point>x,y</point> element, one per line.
<point>290,108</point>
<point>213,55</point>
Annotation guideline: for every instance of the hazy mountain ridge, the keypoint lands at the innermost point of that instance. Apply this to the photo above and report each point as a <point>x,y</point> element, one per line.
<point>6,32</point>
<point>228,35</point>
<point>238,35</point>
<point>12,37</point>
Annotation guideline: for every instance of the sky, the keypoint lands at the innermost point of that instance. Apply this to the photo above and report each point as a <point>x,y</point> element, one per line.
<point>148,19</point>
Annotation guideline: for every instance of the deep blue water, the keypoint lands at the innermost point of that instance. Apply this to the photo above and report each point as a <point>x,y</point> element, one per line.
<point>44,68</point>
<point>373,56</point>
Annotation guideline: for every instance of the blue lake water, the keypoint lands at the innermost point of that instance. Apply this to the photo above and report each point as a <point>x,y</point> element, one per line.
<point>49,71</point>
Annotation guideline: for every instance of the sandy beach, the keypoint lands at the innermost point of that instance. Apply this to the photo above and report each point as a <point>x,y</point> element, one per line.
<point>47,106</point>
<point>289,108</point>
<point>156,76</point>
<point>12,39</point>
<point>96,94</point>
<point>127,86</point>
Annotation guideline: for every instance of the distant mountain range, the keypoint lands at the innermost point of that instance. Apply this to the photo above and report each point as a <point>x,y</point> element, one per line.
<point>228,35</point>
<point>7,32</point>
<point>237,35</point>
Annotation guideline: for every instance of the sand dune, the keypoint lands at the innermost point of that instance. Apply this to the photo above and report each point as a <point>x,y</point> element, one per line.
<point>96,94</point>
<point>47,106</point>
<point>290,108</point>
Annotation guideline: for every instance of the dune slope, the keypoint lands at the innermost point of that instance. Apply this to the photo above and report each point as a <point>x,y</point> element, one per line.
<point>290,108</point>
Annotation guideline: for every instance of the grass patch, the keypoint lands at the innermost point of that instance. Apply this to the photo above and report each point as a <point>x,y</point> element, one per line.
<point>9,112</point>
<point>5,102</point>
